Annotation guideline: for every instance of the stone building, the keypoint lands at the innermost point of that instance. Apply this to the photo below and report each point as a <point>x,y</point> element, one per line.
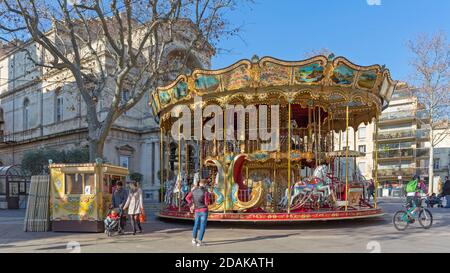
<point>41,108</point>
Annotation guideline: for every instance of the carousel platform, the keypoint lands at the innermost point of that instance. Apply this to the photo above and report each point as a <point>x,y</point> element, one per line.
<point>321,215</point>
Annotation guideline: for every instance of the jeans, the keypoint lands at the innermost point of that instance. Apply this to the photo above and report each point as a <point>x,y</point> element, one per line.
<point>135,220</point>
<point>200,223</point>
<point>447,198</point>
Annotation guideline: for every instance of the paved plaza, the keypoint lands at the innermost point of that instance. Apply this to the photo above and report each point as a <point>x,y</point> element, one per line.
<point>162,236</point>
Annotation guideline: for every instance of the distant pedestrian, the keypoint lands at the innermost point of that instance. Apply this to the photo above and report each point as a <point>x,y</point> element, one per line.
<point>199,200</point>
<point>371,190</point>
<point>135,206</point>
<point>446,192</point>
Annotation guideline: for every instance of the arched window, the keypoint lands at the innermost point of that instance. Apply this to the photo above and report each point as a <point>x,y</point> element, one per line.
<point>26,113</point>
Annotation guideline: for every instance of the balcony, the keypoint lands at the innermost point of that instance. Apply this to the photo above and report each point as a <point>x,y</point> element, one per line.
<point>395,135</point>
<point>396,153</point>
<point>395,172</point>
<point>422,134</point>
<point>404,115</point>
<point>422,152</point>
<point>396,115</point>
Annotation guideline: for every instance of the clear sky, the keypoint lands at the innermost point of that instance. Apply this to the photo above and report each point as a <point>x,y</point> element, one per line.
<point>365,34</point>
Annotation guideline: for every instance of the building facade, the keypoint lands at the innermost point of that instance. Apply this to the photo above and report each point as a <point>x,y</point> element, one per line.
<point>41,108</point>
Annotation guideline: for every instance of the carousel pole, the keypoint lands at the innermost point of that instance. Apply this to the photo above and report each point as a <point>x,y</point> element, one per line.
<point>315,136</point>
<point>289,159</point>
<point>200,165</point>
<point>275,188</point>
<point>339,158</point>
<point>319,136</point>
<point>224,157</point>
<point>346,158</point>
<point>179,168</point>
<point>354,160</point>
<point>161,166</point>
<point>376,162</point>
<point>186,157</point>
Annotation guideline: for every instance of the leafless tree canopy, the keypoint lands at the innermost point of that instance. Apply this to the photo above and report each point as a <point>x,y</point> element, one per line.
<point>430,78</point>
<point>430,81</point>
<point>107,46</point>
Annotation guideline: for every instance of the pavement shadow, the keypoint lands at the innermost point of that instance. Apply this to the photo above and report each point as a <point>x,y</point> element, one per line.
<point>256,238</point>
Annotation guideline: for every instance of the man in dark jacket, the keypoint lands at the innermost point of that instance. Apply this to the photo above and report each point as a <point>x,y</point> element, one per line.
<point>119,197</point>
<point>200,199</point>
<point>446,191</point>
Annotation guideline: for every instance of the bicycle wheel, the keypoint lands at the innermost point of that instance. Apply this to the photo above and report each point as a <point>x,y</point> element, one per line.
<point>425,218</point>
<point>398,220</point>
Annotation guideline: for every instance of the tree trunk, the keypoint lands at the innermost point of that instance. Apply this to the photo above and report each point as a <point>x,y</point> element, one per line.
<point>95,149</point>
<point>431,164</point>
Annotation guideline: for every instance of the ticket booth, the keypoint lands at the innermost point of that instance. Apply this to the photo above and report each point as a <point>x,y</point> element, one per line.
<point>80,195</point>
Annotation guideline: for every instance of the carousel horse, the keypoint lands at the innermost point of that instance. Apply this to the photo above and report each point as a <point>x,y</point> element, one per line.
<point>169,187</point>
<point>180,190</point>
<point>315,189</point>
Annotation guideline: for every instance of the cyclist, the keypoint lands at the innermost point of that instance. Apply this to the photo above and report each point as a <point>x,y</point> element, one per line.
<point>414,190</point>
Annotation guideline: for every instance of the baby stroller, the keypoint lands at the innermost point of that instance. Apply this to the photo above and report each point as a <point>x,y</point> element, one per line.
<point>117,225</point>
<point>434,200</point>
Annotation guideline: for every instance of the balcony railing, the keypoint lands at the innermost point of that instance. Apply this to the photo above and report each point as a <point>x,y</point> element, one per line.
<point>419,134</point>
<point>396,172</point>
<point>409,152</point>
<point>420,114</point>
<point>405,152</point>
<point>422,152</point>
<point>395,134</point>
<point>397,115</point>
<point>18,136</point>
<point>422,133</point>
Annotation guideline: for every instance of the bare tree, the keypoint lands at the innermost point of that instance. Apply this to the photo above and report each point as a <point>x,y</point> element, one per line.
<point>323,51</point>
<point>112,46</point>
<point>430,78</point>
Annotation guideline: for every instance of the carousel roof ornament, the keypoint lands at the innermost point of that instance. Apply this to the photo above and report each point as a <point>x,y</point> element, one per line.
<point>330,82</point>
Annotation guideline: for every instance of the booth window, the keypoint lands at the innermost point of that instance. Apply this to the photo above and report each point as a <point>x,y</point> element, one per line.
<point>89,184</point>
<point>79,184</point>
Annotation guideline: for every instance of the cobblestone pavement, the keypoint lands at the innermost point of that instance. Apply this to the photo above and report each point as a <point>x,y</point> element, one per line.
<point>169,236</point>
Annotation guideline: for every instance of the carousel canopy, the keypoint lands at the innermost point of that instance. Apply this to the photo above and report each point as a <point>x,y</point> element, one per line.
<point>327,82</point>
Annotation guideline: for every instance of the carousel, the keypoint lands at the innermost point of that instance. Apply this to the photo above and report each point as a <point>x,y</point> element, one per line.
<point>271,138</point>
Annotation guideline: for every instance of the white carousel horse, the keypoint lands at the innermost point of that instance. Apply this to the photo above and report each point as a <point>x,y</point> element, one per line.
<point>322,189</point>
<point>320,172</point>
<point>169,186</point>
<point>196,178</point>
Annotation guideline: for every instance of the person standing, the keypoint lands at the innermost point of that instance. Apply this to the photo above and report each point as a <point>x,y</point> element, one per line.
<point>371,190</point>
<point>119,197</point>
<point>446,192</point>
<point>199,198</point>
<point>135,206</point>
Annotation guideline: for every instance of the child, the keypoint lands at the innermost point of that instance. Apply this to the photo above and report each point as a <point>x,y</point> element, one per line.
<point>433,200</point>
<point>111,218</point>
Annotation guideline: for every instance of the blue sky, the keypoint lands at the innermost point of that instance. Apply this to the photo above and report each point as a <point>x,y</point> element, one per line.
<point>365,34</point>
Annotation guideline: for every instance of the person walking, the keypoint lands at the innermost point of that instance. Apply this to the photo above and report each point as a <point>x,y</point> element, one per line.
<point>135,206</point>
<point>119,197</point>
<point>446,192</point>
<point>371,190</point>
<point>199,198</point>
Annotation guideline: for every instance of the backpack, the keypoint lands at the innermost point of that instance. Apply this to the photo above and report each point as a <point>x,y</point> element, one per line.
<point>412,186</point>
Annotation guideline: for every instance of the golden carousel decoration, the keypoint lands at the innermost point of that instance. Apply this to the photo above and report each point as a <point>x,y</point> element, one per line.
<point>304,171</point>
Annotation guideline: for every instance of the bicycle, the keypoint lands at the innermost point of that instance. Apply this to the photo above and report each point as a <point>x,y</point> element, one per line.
<point>402,219</point>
